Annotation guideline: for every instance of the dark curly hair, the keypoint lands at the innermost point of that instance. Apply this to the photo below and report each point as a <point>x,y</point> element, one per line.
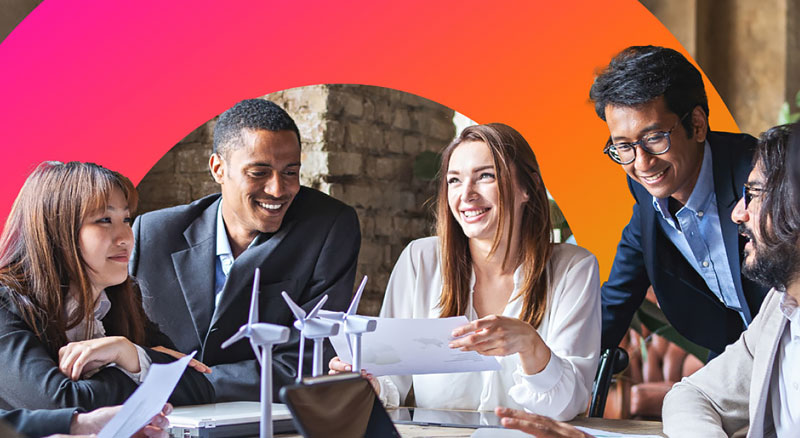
<point>255,114</point>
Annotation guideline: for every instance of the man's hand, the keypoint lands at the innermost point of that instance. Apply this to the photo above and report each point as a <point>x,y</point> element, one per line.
<point>91,423</point>
<point>537,425</point>
<point>194,363</point>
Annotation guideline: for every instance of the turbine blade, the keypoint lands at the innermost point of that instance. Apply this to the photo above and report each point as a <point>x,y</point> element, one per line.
<point>254,299</point>
<point>298,311</point>
<point>357,297</point>
<point>257,351</point>
<point>236,337</point>
<point>313,312</point>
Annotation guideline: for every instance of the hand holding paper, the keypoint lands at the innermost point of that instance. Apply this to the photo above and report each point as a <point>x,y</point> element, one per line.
<point>414,346</point>
<point>147,400</point>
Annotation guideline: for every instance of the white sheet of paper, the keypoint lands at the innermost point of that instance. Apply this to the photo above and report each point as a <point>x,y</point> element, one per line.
<point>510,433</point>
<point>147,400</point>
<point>597,433</point>
<point>400,347</point>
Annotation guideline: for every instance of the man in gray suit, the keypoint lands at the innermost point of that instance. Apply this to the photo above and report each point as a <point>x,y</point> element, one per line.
<point>195,263</point>
<point>755,381</point>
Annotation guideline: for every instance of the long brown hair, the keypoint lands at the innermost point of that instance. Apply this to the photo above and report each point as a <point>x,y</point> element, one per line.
<point>509,151</point>
<point>40,256</point>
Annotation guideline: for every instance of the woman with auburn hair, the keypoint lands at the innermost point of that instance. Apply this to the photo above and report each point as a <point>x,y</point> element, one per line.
<point>533,304</point>
<point>73,332</point>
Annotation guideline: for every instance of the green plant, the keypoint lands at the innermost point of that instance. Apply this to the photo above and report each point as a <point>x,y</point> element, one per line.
<point>786,115</point>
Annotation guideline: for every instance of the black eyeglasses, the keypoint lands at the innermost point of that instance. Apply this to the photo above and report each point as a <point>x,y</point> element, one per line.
<point>655,143</point>
<point>749,192</point>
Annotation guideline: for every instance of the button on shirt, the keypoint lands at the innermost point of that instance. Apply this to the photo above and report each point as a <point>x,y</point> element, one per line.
<point>784,387</point>
<point>695,230</point>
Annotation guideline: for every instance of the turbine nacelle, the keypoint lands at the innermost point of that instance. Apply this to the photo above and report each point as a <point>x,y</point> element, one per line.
<point>317,328</point>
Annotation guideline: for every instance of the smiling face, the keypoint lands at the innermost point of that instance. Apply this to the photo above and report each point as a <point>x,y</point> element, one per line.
<point>673,173</point>
<point>748,219</point>
<point>472,191</point>
<point>259,180</point>
<point>772,266</point>
<point>105,240</point>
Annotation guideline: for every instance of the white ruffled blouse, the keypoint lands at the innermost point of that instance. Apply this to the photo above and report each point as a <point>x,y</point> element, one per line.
<point>571,328</point>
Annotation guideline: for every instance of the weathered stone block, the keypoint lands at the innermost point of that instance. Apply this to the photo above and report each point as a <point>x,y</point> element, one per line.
<point>393,141</point>
<point>401,119</point>
<point>344,163</point>
<point>192,158</point>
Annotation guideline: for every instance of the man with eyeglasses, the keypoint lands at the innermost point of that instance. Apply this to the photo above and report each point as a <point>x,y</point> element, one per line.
<point>686,180</point>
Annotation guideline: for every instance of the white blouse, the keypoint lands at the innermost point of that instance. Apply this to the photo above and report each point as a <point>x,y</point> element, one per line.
<point>571,328</point>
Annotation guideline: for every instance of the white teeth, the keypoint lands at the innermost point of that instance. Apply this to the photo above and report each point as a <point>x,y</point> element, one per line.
<point>270,206</point>
<point>473,213</point>
<point>654,177</point>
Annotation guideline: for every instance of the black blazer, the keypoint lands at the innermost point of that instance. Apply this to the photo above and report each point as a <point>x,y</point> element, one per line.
<point>646,256</point>
<point>34,424</point>
<point>31,379</point>
<point>313,253</point>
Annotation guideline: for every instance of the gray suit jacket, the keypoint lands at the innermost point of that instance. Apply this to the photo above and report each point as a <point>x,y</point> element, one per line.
<point>732,390</point>
<point>313,253</point>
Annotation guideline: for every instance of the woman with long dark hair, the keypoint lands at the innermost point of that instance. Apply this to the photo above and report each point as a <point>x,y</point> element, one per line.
<point>73,332</point>
<point>533,304</point>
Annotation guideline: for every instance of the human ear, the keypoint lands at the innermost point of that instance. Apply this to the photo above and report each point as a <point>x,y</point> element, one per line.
<point>216,165</point>
<point>699,124</point>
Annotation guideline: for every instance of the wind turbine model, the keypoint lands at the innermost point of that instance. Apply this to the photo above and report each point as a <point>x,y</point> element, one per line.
<point>314,328</point>
<point>354,325</point>
<point>262,337</point>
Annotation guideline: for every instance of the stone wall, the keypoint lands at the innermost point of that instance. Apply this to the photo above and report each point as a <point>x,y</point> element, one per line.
<point>359,146</point>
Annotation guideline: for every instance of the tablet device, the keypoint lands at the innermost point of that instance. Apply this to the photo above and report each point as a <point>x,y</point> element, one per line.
<point>338,406</point>
<point>445,418</point>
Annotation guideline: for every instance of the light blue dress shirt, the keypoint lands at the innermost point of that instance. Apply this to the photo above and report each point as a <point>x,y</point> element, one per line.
<point>699,237</point>
<point>224,257</point>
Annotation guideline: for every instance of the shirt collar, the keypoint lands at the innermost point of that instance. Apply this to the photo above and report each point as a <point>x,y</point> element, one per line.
<point>101,309</point>
<point>701,194</point>
<point>517,280</point>
<point>223,245</point>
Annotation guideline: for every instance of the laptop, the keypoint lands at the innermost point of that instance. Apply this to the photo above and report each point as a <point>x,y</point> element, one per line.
<point>222,420</point>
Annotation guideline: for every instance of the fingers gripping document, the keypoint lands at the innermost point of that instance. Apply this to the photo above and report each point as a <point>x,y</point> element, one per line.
<point>147,400</point>
<point>414,346</point>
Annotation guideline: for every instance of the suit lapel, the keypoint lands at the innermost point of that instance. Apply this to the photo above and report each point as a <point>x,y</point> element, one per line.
<point>194,267</point>
<point>726,185</point>
<point>764,364</point>
<point>240,277</point>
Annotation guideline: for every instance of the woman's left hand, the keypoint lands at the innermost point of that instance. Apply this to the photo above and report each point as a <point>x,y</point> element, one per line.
<point>78,358</point>
<point>495,335</point>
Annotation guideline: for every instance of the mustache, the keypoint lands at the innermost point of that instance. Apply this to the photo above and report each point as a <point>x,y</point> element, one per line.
<point>747,232</point>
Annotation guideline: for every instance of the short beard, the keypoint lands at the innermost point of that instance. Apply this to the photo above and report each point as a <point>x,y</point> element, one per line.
<point>775,267</point>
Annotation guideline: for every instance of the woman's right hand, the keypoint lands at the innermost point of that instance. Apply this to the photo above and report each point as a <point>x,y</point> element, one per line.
<point>337,366</point>
<point>78,358</point>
